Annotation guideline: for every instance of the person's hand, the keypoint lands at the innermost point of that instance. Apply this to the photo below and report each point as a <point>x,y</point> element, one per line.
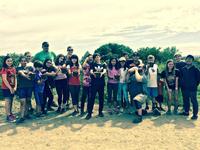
<point>27,77</point>
<point>101,75</point>
<point>12,91</point>
<point>15,89</point>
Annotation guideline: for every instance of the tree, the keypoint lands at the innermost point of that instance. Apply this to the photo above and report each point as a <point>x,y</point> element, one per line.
<point>113,50</point>
<point>15,57</point>
<point>84,57</point>
<point>144,52</point>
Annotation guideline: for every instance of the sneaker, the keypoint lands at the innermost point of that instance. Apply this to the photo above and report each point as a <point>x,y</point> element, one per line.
<point>184,114</point>
<point>20,120</point>
<point>13,116</point>
<point>88,116</point>
<point>101,114</point>
<point>58,110</point>
<point>138,119</point>
<point>74,113</point>
<point>156,112</point>
<point>194,117</point>
<point>82,114</point>
<point>10,118</point>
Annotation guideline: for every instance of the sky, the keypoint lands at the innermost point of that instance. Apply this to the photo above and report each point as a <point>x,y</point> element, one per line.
<point>87,24</point>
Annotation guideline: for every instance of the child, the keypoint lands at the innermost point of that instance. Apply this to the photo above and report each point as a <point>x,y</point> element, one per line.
<point>74,82</point>
<point>61,83</point>
<point>49,84</point>
<point>97,71</point>
<point>152,77</point>
<point>86,93</point>
<point>39,84</point>
<point>190,79</point>
<point>25,88</point>
<point>112,86</point>
<point>171,76</point>
<point>122,88</point>
<point>9,86</point>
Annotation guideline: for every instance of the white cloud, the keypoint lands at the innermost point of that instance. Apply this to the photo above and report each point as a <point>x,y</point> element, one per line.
<point>88,24</point>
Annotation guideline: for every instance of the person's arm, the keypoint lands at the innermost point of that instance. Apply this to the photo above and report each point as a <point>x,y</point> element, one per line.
<point>4,78</point>
<point>138,77</point>
<point>104,70</point>
<point>15,88</point>
<point>22,73</point>
<point>109,74</point>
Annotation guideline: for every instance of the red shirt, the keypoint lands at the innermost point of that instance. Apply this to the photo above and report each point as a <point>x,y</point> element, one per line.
<point>74,80</point>
<point>11,74</point>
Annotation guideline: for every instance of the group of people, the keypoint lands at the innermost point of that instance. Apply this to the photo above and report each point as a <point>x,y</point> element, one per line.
<point>130,82</point>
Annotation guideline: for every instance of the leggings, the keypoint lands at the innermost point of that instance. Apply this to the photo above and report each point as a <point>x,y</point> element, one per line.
<point>47,94</point>
<point>61,89</point>
<point>74,91</point>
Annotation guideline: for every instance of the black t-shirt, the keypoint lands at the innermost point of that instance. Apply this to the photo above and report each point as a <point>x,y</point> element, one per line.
<point>180,65</point>
<point>97,69</point>
<point>23,82</point>
<point>50,79</point>
<point>170,77</point>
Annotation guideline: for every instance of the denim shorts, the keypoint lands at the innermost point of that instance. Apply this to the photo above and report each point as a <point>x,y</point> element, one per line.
<point>25,92</point>
<point>152,92</point>
<point>7,93</point>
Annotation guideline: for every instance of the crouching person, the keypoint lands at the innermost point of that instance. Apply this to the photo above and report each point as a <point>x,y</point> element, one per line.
<point>139,91</point>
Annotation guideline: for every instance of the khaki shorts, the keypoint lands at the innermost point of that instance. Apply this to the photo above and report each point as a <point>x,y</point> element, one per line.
<point>140,98</point>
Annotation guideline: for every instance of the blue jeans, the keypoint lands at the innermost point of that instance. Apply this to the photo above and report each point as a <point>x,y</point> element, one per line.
<point>122,88</point>
<point>39,98</point>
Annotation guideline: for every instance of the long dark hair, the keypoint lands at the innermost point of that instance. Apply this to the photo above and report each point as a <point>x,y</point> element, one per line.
<point>57,60</point>
<point>167,69</point>
<point>110,66</point>
<point>4,61</point>
<point>44,64</point>
<point>77,62</point>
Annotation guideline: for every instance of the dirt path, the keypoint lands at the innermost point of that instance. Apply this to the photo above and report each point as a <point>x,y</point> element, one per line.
<point>59,132</point>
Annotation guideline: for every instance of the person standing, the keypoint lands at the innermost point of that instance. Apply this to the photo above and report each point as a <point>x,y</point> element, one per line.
<point>190,79</point>
<point>9,86</point>
<point>25,88</point>
<point>86,93</point>
<point>171,77</point>
<point>98,71</point>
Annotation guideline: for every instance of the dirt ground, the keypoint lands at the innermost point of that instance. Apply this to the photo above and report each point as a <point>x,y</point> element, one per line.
<point>64,132</point>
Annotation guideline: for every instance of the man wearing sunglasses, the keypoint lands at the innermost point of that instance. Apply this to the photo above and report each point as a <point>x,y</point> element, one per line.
<point>45,53</point>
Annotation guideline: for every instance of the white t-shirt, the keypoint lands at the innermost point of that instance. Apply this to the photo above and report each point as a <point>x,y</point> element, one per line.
<point>152,76</point>
<point>123,75</point>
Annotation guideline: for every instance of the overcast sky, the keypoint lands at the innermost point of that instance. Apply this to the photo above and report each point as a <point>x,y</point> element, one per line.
<point>87,24</point>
